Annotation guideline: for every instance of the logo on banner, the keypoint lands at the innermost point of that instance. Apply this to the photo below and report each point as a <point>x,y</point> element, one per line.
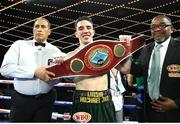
<point>98,57</point>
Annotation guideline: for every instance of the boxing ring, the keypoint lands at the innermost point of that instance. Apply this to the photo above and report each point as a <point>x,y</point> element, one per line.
<point>100,56</point>
<point>55,115</point>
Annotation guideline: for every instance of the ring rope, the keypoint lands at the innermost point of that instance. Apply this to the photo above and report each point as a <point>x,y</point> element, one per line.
<point>55,115</point>
<point>60,84</point>
<point>58,103</point>
<point>67,103</point>
<point>55,103</point>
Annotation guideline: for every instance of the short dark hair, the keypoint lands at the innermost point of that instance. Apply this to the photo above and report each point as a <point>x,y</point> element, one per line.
<point>49,24</point>
<point>83,18</point>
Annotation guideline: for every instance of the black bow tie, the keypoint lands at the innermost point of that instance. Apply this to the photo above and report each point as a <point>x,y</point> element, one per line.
<point>40,44</point>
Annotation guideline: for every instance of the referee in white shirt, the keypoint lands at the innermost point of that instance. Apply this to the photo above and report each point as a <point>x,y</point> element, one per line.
<point>26,62</point>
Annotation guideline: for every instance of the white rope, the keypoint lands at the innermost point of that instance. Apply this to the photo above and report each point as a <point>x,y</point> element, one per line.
<point>60,84</point>
<point>55,103</point>
<point>55,115</point>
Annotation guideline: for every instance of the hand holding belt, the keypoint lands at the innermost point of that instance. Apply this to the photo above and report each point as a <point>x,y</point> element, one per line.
<point>97,57</point>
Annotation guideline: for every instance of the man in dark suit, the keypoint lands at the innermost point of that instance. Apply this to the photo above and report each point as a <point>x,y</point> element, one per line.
<point>162,101</point>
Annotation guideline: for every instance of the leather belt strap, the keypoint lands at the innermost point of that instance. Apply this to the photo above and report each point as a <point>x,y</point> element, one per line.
<point>97,57</point>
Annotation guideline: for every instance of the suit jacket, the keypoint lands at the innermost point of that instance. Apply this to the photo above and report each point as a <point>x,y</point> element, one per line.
<point>169,86</point>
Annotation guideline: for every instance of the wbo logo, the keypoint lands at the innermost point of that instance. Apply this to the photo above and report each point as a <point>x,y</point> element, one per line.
<point>82,117</point>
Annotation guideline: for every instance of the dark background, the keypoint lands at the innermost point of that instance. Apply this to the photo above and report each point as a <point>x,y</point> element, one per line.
<point>111,18</point>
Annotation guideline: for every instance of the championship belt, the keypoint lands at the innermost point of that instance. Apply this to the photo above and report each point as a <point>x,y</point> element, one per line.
<point>97,57</point>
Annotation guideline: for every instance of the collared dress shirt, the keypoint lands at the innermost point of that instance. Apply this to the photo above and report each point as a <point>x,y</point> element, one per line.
<point>20,62</point>
<point>163,50</point>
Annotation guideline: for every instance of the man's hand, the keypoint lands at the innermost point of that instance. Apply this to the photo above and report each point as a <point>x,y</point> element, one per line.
<point>163,104</point>
<point>60,59</point>
<point>44,74</point>
<point>125,65</point>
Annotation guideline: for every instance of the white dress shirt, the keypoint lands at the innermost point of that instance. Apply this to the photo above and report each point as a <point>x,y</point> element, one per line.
<point>117,89</point>
<point>163,51</point>
<point>20,62</point>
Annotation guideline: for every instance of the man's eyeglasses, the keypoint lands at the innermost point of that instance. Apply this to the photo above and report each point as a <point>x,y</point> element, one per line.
<point>160,27</point>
